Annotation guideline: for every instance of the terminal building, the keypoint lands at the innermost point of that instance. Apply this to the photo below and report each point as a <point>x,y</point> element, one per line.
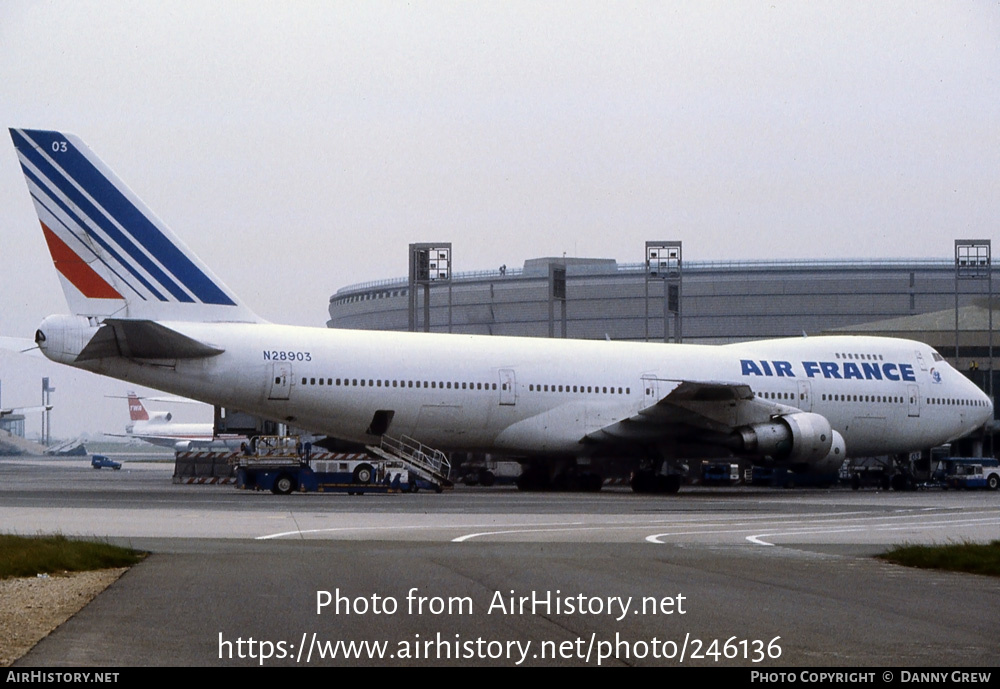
<point>717,301</point>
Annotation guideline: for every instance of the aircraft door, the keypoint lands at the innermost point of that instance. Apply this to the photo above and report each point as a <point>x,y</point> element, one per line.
<point>508,387</point>
<point>805,402</point>
<point>281,381</point>
<point>913,393</point>
<point>650,390</point>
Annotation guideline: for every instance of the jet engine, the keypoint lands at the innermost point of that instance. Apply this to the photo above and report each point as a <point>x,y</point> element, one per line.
<point>62,338</point>
<point>800,438</point>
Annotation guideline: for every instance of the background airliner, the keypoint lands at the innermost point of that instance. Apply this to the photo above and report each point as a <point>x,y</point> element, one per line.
<point>146,310</point>
<point>159,428</point>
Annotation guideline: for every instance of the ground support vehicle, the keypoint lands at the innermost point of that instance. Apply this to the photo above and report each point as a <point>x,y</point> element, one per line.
<point>782,477</point>
<point>102,462</point>
<point>354,477</point>
<point>869,476</point>
<point>282,465</point>
<point>720,474</point>
<point>971,472</point>
<point>491,472</point>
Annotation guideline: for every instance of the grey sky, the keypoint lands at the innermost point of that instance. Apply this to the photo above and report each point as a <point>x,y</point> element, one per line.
<point>298,147</point>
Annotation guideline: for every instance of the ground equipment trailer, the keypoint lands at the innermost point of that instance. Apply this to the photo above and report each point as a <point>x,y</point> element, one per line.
<point>283,465</point>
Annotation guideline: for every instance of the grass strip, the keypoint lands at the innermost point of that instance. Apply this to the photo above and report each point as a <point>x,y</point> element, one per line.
<point>27,556</point>
<point>974,558</point>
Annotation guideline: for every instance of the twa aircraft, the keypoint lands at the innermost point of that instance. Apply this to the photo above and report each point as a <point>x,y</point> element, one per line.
<point>158,428</point>
<point>144,309</point>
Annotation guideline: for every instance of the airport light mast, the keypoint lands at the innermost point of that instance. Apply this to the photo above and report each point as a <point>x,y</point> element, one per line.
<point>430,263</point>
<point>663,264</point>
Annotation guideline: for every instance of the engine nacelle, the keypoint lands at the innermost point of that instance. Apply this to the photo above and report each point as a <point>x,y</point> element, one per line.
<point>800,437</point>
<point>834,458</point>
<point>62,338</point>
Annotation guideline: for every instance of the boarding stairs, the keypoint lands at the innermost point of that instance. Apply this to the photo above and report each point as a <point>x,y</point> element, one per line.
<point>426,462</point>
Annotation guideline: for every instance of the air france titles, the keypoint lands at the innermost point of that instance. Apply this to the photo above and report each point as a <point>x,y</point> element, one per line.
<point>841,370</point>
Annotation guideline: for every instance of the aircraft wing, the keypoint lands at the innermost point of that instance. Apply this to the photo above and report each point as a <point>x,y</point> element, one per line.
<point>24,410</point>
<point>691,408</point>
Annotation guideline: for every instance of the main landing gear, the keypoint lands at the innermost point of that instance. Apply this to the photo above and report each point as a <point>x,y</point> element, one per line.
<point>538,477</point>
<point>648,481</point>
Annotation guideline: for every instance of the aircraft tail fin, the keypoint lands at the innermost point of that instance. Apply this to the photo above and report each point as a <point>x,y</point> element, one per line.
<point>113,255</point>
<point>136,410</point>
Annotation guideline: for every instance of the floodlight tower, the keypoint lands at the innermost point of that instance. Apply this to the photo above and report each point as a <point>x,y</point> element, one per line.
<point>663,264</point>
<point>430,263</point>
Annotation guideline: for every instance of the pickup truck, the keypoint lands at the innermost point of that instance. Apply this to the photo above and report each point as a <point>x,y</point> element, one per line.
<point>102,462</point>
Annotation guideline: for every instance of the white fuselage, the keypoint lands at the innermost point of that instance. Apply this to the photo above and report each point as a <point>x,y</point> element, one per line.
<point>534,396</point>
<point>169,434</point>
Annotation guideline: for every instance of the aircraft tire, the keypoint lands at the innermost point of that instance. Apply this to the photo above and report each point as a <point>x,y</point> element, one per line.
<point>643,481</point>
<point>364,473</point>
<point>669,484</point>
<point>533,478</point>
<point>487,478</point>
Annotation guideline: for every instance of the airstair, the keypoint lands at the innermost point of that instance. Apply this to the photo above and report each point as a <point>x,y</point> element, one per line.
<point>426,462</point>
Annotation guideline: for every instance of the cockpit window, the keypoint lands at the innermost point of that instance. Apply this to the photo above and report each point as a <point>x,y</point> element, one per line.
<point>937,357</point>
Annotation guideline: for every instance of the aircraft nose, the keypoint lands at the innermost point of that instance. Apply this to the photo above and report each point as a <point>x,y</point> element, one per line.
<point>987,407</point>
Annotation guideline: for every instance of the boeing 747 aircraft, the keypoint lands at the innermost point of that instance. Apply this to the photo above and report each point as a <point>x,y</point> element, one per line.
<point>146,310</point>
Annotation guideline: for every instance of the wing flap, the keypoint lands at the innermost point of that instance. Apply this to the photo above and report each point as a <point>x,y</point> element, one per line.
<point>690,408</point>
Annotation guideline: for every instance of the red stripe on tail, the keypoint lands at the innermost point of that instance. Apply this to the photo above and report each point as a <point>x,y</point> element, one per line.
<point>76,270</point>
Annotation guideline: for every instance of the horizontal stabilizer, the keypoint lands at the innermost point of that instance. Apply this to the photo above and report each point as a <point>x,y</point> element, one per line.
<point>144,340</point>
<point>21,345</point>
